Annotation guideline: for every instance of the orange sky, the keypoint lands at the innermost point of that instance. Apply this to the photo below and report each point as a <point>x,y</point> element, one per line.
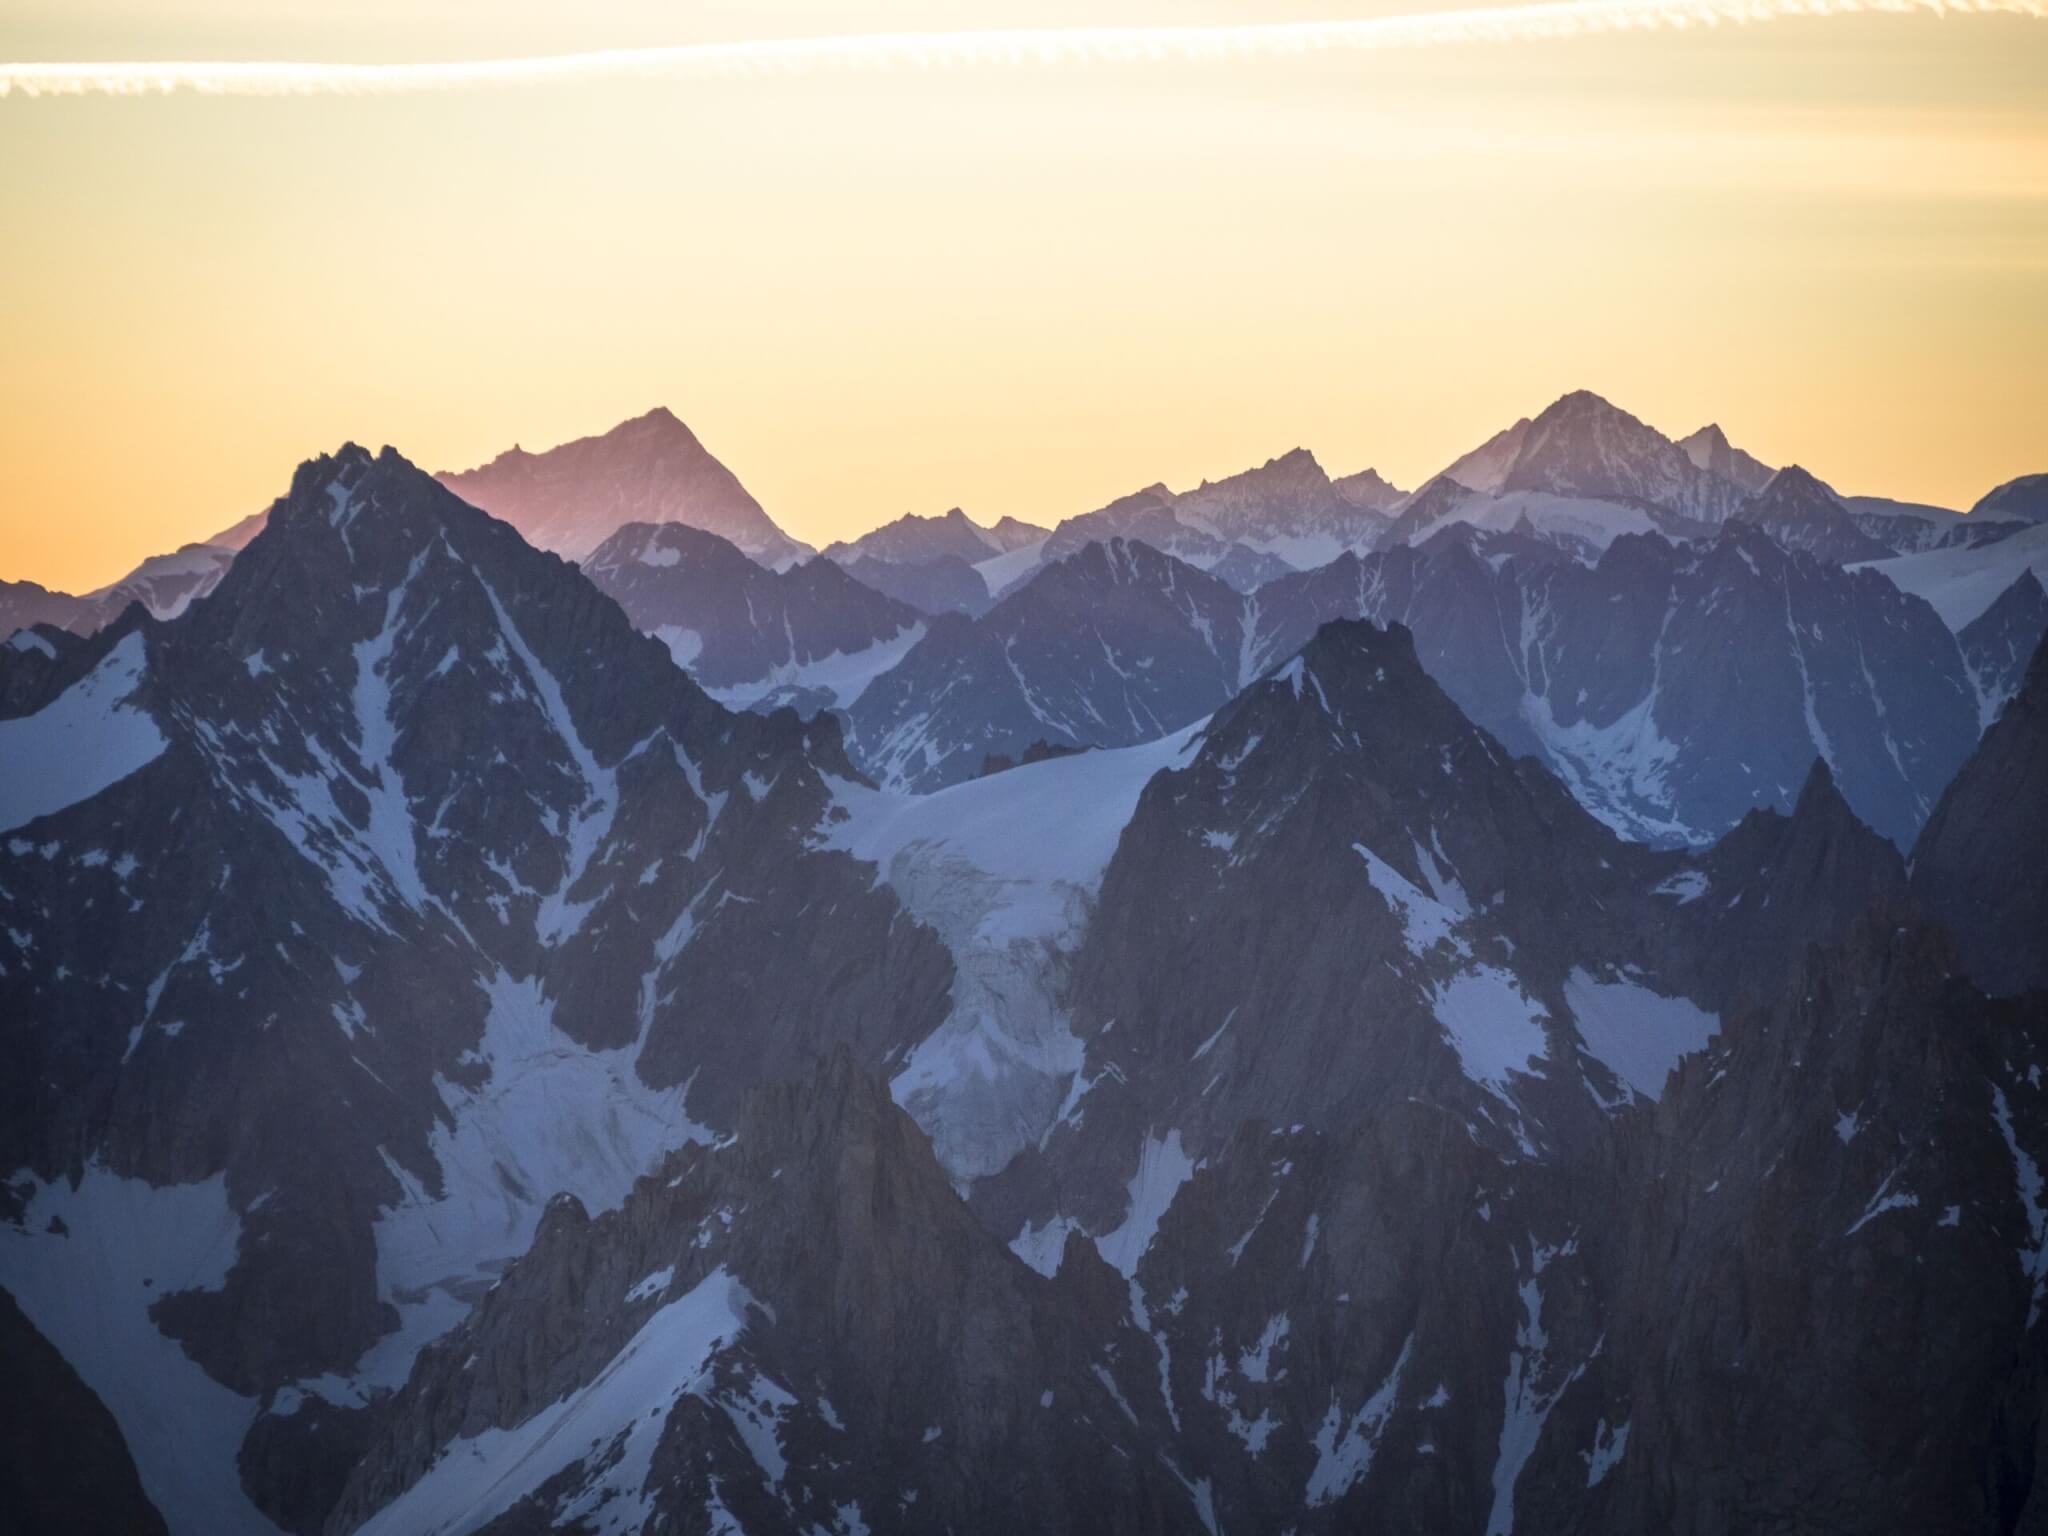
<point>1022,292</point>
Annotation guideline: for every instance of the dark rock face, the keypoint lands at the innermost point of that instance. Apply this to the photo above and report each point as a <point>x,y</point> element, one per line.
<point>1293,923</point>
<point>1672,687</point>
<point>29,658</point>
<point>651,469</point>
<point>1257,888</point>
<point>1981,865</point>
<point>844,1347</point>
<point>2022,500</point>
<point>740,629</point>
<point>1999,642</point>
<point>417,828</point>
<point>1037,752</point>
<point>1363,1258</point>
<point>63,1463</point>
<point>1600,670</point>
<point>946,585</point>
<point>1774,886</point>
<point>1801,513</point>
<point>1860,1149</point>
<point>1114,645</point>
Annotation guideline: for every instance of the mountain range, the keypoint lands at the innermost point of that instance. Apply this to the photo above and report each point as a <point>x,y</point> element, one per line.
<point>1534,1021</point>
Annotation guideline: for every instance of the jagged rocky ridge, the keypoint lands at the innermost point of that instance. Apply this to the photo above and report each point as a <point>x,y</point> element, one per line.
<point>810,635</point>
<point>1672,686</point>
<point>392,889</point>
<point>1114,645</point>
<point>1443,1279</point>
<point>1799,512</point>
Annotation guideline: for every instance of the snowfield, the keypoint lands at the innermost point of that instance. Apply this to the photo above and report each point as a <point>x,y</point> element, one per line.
<point>1005,869</point>
<point>119,1246</point>
<point>1961,583</point>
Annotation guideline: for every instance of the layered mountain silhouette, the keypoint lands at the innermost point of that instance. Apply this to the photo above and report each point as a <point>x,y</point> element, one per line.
<point>1534,1021</point>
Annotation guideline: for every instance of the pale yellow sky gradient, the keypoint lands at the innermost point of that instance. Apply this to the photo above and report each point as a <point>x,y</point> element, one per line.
<point>1022,292</point>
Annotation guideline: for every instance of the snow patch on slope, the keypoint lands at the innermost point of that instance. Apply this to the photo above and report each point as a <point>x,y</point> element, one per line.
<point>478,1477</point>
<point>1962,582</point>
<point>1494,1026</point>
<point>554,1117</point>
<point>1163,1167</point>
<point>89,1288</point>
<point>1638,1034</point>
<point>87,738</point>
<point>843,674</point>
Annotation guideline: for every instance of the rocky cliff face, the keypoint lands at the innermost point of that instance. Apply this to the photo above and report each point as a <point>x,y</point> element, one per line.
<point>393,889</point>
<point>1861,1150</point>
<point>744,631</point>
<point>1672,687</point>
<point>1114,645</point>
<point>1412,1160</point>
<point>63,1463</point>
<point>1981,865</point>
<point>799,1328</point>
<point>1596,668</point>
<point>1799,512</point>
<point>2000,641</point>
<point>465,1078</point>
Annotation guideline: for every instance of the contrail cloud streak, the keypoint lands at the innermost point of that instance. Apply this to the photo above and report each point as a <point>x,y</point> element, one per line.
<point>1018,48</point>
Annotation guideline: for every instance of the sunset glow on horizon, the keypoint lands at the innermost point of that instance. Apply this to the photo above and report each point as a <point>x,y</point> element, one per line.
<point>1024,292</point>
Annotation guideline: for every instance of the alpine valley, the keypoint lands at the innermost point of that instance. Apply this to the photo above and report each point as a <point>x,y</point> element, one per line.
<point>533,1000</point>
